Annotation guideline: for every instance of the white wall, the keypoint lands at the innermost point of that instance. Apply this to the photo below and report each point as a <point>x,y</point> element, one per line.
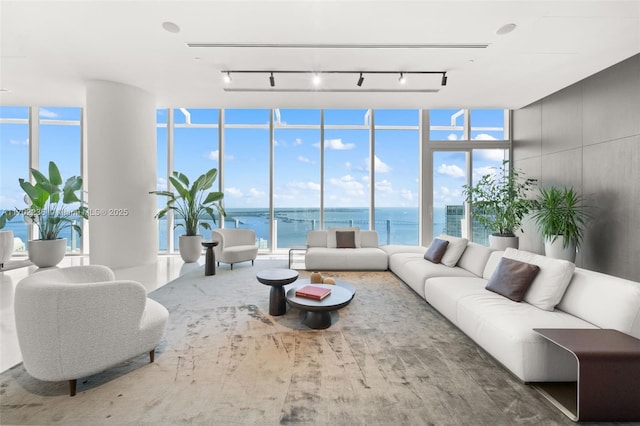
<point>121,157</point>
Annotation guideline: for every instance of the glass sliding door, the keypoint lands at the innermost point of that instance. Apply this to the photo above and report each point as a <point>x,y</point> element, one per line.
<point>449,176</point>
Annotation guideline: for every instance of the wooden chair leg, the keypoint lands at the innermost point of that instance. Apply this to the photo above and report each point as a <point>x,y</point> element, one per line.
<point>152,356</point>
<point>72,387</point>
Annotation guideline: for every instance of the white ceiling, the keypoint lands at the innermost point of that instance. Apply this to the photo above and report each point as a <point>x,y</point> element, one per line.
<point>49,49</point>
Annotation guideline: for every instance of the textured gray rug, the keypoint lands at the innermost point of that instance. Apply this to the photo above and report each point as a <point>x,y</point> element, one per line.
<point>388,359</point>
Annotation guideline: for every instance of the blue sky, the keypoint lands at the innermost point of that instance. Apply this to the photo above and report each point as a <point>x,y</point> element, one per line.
<point>297,155</point>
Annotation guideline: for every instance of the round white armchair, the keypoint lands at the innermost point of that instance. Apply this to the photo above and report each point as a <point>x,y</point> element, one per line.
<point>77,321</point>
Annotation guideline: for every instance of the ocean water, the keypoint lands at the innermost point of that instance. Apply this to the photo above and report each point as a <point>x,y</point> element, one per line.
<point>394,225</point>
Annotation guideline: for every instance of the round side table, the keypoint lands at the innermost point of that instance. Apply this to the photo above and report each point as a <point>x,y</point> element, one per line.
<point>277,279</point>
<point>209,258</point>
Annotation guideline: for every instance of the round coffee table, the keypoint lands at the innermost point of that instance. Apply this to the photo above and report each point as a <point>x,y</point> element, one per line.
<point>277,278</point>
<point>318,312</point>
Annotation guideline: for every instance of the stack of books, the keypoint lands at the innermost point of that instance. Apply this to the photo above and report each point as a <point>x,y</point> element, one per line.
<point>313,292</point>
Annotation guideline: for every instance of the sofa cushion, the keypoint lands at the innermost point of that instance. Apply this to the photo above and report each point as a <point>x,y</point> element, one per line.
<point>474,258</point>
<point>331,236</point>
<point>549,286</point>
<point>454,250</point>
<point>512,279</point>
<point>492,264</point>
<point>368,239</point>
<point>436,250</point>
<point>331,259</point>
<point>345,239</point>
<point>604,300</point>
<point>317,239</point>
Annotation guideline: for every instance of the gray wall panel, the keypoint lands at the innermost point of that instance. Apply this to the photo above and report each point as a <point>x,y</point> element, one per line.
<point>590,139</point>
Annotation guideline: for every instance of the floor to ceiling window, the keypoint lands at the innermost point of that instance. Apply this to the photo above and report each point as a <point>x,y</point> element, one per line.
<point>14,155</point>
<point>296,174</point>
<point>397,171</point>
<point>61,141</point>
<point>247,157</point>
<point>347,161</point>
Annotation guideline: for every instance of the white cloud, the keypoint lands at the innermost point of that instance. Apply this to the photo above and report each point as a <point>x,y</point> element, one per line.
<point>348,165</point>
<point>45,113</point>
<point>232,192</point>
<point>304,186</point>
<point>384,186</point>
<point>161,184</point>
<point>484,137</point>
<point>478,172</point>
<point>229,158</point>
<point>452,137</point>
<point>496,155</point>
<point>304,159</point>
<point>253,192</point>
<point>214,155</point>
<point>336,144</point>
<point>444,195</point>
<point>297,142</point>
<point>350,185</point>
<point>16,142</point>
<point>379,165</point>
<point>451,170</point>
<point>407,194</point>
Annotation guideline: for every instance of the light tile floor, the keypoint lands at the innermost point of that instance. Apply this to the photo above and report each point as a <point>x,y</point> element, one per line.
<point>153,276</point>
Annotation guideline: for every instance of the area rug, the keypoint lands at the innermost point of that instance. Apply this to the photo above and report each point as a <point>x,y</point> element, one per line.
<point>387,359</point>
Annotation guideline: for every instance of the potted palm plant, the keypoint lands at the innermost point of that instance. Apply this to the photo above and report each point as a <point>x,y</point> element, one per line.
<point>192,203</point>
<point>6,237</point>
<point>53,207</point>
<point>500,203</point>
<point>561,219</point>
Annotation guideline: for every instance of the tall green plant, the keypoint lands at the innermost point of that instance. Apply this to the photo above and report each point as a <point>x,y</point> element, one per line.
<point>499,200</point>
<point>50,203</point>
<point>193,203</point>
<point>560,211</point>
<point>6,216</point>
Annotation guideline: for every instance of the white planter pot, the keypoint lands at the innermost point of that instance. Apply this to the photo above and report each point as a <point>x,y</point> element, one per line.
<point>556,250</point>
<point>190,247</point>
<point>47,253</point>
<point>6,246</point>
<point>497,242</point>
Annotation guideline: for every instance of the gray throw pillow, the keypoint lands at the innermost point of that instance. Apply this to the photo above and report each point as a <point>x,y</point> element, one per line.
<point>436,250</point>
<point>345,239</point>
<point>512,278</point>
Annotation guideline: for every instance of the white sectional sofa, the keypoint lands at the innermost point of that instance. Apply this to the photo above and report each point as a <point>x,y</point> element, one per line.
<point>323,253</point>
<point>504,328</point>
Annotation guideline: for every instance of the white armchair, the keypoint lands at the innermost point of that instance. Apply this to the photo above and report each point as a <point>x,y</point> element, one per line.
<point>234,245</point>
<point>78,321</point>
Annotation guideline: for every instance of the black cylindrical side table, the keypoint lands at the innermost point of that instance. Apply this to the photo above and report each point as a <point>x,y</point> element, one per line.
<point>277,279</point>
<point>209,258</point>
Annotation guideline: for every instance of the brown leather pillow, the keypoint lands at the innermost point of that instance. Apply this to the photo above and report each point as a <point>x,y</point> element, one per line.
<point>436,250</point>
<point>512,279</point>
<point>345,239</point>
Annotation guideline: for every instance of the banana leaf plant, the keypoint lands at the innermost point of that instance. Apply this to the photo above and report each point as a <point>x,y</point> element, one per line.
<point>6,216</point>
<point>193,202</point>
<point>53,206</point>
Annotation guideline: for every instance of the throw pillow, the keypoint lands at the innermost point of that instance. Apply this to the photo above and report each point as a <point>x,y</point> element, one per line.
<point>456,247</point>
<point>436,250</point>
<point>512,279</point>
<point>345,239</point>
<point>331,236</point>
<point>552,281</point>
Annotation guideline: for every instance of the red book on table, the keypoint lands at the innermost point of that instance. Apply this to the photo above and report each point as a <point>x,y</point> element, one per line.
<point>313,292</point>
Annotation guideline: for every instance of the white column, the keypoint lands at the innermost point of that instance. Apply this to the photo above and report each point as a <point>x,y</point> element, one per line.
<point>121,157</point>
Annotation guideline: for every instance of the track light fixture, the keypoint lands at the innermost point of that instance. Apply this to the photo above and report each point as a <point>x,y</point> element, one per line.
<point>381,82</point>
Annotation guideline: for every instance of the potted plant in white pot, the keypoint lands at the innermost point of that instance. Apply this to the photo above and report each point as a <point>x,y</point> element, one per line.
<point>6,237</point>
<point>192,203</point>
<point>500,202</point>
<point>52,207</point>
<point>561,219</point>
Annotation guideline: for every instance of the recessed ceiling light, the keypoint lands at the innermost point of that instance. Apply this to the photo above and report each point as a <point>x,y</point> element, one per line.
<point>171,27</point>
<point>506,29</point>
<point>316,79</point>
